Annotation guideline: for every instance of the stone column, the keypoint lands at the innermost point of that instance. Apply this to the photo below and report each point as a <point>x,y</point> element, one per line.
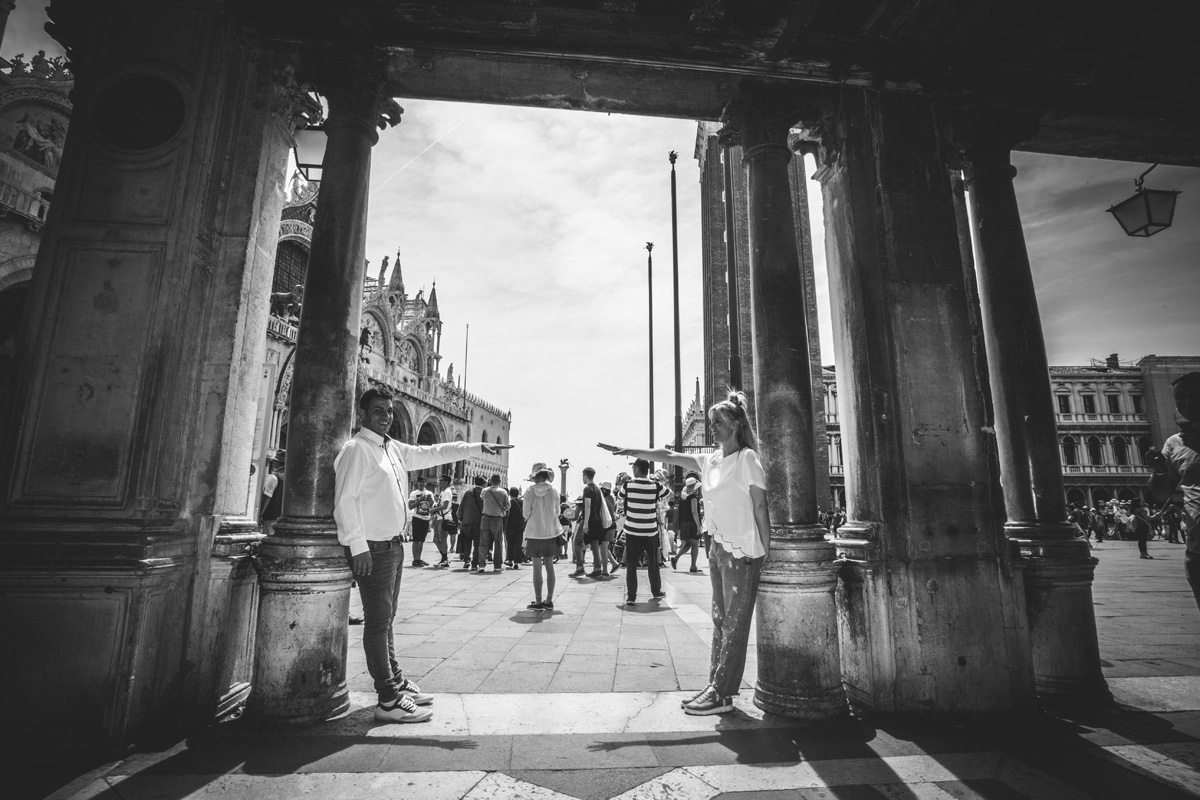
<point>799,671</point>
<point>300,653</point>
<point>931,613</point>
<point>1058,566</point>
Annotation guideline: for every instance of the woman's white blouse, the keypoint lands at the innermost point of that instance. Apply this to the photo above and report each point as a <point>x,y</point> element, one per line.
<point>728,510</point>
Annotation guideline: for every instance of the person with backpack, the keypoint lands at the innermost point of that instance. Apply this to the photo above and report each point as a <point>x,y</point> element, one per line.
<point>470,514</point>
<point>491,529</point>
<point>610,533</point>
<point>514,528</point>
<point>592,528</point>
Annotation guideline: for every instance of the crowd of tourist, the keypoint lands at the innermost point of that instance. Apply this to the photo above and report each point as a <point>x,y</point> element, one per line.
<point>485,528</point>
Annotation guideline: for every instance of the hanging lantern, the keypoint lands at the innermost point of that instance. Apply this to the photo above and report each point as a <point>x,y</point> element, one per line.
<point>310,151</point>
<point>1148,211</point>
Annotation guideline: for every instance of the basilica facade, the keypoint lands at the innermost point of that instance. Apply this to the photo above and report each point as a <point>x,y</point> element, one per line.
<point>399,352</point>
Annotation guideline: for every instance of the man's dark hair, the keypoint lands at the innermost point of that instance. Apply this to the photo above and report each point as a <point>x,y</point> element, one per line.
<point>371,394</point>
<point>589,472</point>
<point>445,476</point>
<point>641,465</point>
<point>495,480</point>
<point>479,481</point>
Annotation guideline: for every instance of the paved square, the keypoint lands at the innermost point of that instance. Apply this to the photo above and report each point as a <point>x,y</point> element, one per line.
<point>583,703</point>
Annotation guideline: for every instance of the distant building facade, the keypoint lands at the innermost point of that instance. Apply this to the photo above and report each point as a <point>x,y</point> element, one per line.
<point>34,112</point>
<point>1109,414</point>
<point>400,351</point>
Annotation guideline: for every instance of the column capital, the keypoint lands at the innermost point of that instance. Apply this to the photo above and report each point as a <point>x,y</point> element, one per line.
<point>290,98</point>
<point>762,114</point>
<point>355,85</point>
<point>984,136</point>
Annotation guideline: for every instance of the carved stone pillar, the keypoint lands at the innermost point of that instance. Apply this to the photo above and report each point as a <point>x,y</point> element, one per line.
<point>931,612</point>
<point>1058,567</point>
<point>300,665</point>
<point>124,465</point>
<point>799,671</point>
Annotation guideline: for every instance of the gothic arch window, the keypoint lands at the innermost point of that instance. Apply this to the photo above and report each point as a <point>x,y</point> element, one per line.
<point>1095,450</point>
<point>1070,451</point>
<point>484,439</point>
<point>1121,450</point>
<point>498,440</point>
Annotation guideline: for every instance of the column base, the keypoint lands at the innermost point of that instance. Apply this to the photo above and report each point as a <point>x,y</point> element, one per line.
<point>799,663</point>
<point>1062,621</point>
<point>304,605</point>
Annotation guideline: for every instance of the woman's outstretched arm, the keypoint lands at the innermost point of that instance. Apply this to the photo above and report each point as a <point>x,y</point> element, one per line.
<point>685,460</point>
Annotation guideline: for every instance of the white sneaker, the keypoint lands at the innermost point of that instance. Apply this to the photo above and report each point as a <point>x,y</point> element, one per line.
<point>402,710</point>
<point>413,692</point>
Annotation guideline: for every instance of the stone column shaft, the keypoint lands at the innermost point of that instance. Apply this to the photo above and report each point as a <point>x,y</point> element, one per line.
<point>932,615</point>
<point>799,670</point>
<point>1058,566</point>
<point>300,668</point>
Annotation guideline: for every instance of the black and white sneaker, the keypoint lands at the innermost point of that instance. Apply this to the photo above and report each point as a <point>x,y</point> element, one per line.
<point>413,692</point>
<point>402,709</point>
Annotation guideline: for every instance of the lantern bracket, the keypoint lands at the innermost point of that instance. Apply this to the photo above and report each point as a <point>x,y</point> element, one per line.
<point>1140,179</point>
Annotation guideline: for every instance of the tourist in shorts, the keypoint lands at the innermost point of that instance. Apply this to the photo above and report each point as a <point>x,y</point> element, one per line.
<point>540,506</point>
<point>421,503</point>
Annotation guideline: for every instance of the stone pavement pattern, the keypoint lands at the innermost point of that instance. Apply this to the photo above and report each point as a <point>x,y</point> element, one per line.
<point>583,704</point>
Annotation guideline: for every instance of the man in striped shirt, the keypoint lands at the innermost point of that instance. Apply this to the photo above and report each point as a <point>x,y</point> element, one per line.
<point>640,498</point>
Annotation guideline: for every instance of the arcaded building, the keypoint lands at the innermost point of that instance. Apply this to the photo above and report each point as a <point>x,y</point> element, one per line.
<point>137,587</point>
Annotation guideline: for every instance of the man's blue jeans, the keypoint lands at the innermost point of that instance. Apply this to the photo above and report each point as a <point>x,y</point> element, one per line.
<point>491,542</point>
<point>379,592</point>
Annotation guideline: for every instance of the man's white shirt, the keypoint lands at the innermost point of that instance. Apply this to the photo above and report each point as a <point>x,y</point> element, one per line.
<point>371,489</point>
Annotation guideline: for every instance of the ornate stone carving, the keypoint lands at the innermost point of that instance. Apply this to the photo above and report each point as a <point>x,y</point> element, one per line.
<point>293,101</point>
<point>354,84</point>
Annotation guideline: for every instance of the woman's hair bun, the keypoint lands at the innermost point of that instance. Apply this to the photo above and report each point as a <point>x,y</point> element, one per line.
<point>736,398</point>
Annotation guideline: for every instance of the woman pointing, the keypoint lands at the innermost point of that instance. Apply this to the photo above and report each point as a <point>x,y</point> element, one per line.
<point>733,487</point>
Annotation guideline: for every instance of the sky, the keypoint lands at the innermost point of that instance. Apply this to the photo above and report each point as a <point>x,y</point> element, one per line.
<point>533,223</point>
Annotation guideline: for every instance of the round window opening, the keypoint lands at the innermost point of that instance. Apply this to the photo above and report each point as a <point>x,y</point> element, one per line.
<point>138,112</point>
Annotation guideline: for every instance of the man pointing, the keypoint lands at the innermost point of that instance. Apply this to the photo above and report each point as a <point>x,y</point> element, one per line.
<point>370,510</point>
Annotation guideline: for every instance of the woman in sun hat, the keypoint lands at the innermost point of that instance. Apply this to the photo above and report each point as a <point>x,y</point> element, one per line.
<point>540,506</point>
